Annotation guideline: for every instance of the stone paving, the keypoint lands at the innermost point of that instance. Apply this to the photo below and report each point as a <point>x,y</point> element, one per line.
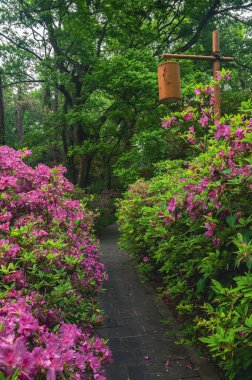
<point>140,327</point>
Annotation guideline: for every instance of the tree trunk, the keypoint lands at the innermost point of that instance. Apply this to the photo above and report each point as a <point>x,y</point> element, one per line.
<point>19,110</point>
<point>67,141</point>
<point>69,161</point>
<point>2,124</point>
<point>109,175</point>
<point>47,100</point>
<point>56,100</point>
<point>130,124</point>
<point>84,170</point>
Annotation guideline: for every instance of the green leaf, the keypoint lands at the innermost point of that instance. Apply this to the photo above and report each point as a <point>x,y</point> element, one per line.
<point>206,340</point>
<point>248,321</point>
<point>231,220</point>
<point>201,284</point>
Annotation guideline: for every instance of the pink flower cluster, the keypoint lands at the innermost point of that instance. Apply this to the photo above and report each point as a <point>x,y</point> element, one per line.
<point>45,244</point>
<point>32,349</point>
<point>199,119</point>
<point>169,122</point>
<point>222,130</point>
<point>201,196</point>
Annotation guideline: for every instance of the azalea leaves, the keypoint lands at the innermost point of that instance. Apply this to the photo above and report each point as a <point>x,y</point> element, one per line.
<point>193,222</point>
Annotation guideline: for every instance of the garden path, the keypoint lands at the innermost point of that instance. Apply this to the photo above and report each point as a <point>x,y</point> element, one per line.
<point>143,346</point>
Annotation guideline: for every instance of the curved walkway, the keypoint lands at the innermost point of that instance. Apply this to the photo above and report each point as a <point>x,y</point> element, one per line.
<point>143,346</point>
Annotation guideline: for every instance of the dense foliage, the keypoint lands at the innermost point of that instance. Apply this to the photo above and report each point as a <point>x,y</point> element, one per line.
<point>191,225</point>
<point>50,275</point>
<point>79,78</point>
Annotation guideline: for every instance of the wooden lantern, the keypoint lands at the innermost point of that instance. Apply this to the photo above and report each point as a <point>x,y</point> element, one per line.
<point>169,82</point>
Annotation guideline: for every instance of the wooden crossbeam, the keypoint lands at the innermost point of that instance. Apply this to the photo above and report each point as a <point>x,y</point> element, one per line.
<point>197,57</point>
<point>216,58</point>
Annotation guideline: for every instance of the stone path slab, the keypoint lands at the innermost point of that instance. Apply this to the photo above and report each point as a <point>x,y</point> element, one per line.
<point>142,344</point>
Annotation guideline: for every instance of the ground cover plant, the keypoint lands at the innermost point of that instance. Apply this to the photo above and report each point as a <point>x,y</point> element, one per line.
<point>192,225</point>
<point>50,275</point>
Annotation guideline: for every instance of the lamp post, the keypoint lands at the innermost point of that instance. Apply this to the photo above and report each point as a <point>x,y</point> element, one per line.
<point>169,75</point>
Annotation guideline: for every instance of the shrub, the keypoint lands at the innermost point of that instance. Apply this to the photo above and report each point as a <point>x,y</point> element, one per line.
<point>192,222</point>
<point>50,275</point>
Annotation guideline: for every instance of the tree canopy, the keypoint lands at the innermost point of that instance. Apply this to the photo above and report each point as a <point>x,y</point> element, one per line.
<point>79,77</point>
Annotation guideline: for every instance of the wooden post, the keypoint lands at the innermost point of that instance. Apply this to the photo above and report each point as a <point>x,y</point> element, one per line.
<point>216,68</point>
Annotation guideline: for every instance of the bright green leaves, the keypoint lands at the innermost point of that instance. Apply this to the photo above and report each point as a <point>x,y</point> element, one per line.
<point>244,246</point>
<point>5,270</point>
<point>229,327</point>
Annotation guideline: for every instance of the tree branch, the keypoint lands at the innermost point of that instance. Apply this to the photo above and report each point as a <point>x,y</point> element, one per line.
<point>24,81</point>
<point>203,22</point>
<point>19,45</point>
<point>39,10</point>
<point>235,8</point>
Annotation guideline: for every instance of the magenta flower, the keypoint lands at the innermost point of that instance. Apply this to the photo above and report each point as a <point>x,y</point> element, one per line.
<point>12,251</point>
<point>5,227</point>
<point>188,116</point>
<point>99,377</point>
<point>191,140</point>
<point>216,241</point>
<point>70,334</point>
<point>222,130</point>
<point>94,362</point>
<point>17,277</point>
<point>204,121</point>
<point>18,308</point>
<point>197,92</point>
<point>168,123</point>
<point>171,205</point>
<point>239,133</point>
<point>209,90</point>
<point>189,366</point>
<point>191,129</point>
<point>8,334</point>
<point>190,201</point>
<point>12,355</point>
<point>27,324</point>
<point>51,374</point>
<point>168,363</point>
<point>5,217</point>
<point>26,153</point>
<point>227,76</point>
<point>168,220</point>
<point>40,357</point>
<point>210,229</point>
<point>218,76</point>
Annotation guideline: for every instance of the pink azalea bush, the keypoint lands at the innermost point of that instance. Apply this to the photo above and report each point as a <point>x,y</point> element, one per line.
<point>50,276</point>
<point>193,224</point>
